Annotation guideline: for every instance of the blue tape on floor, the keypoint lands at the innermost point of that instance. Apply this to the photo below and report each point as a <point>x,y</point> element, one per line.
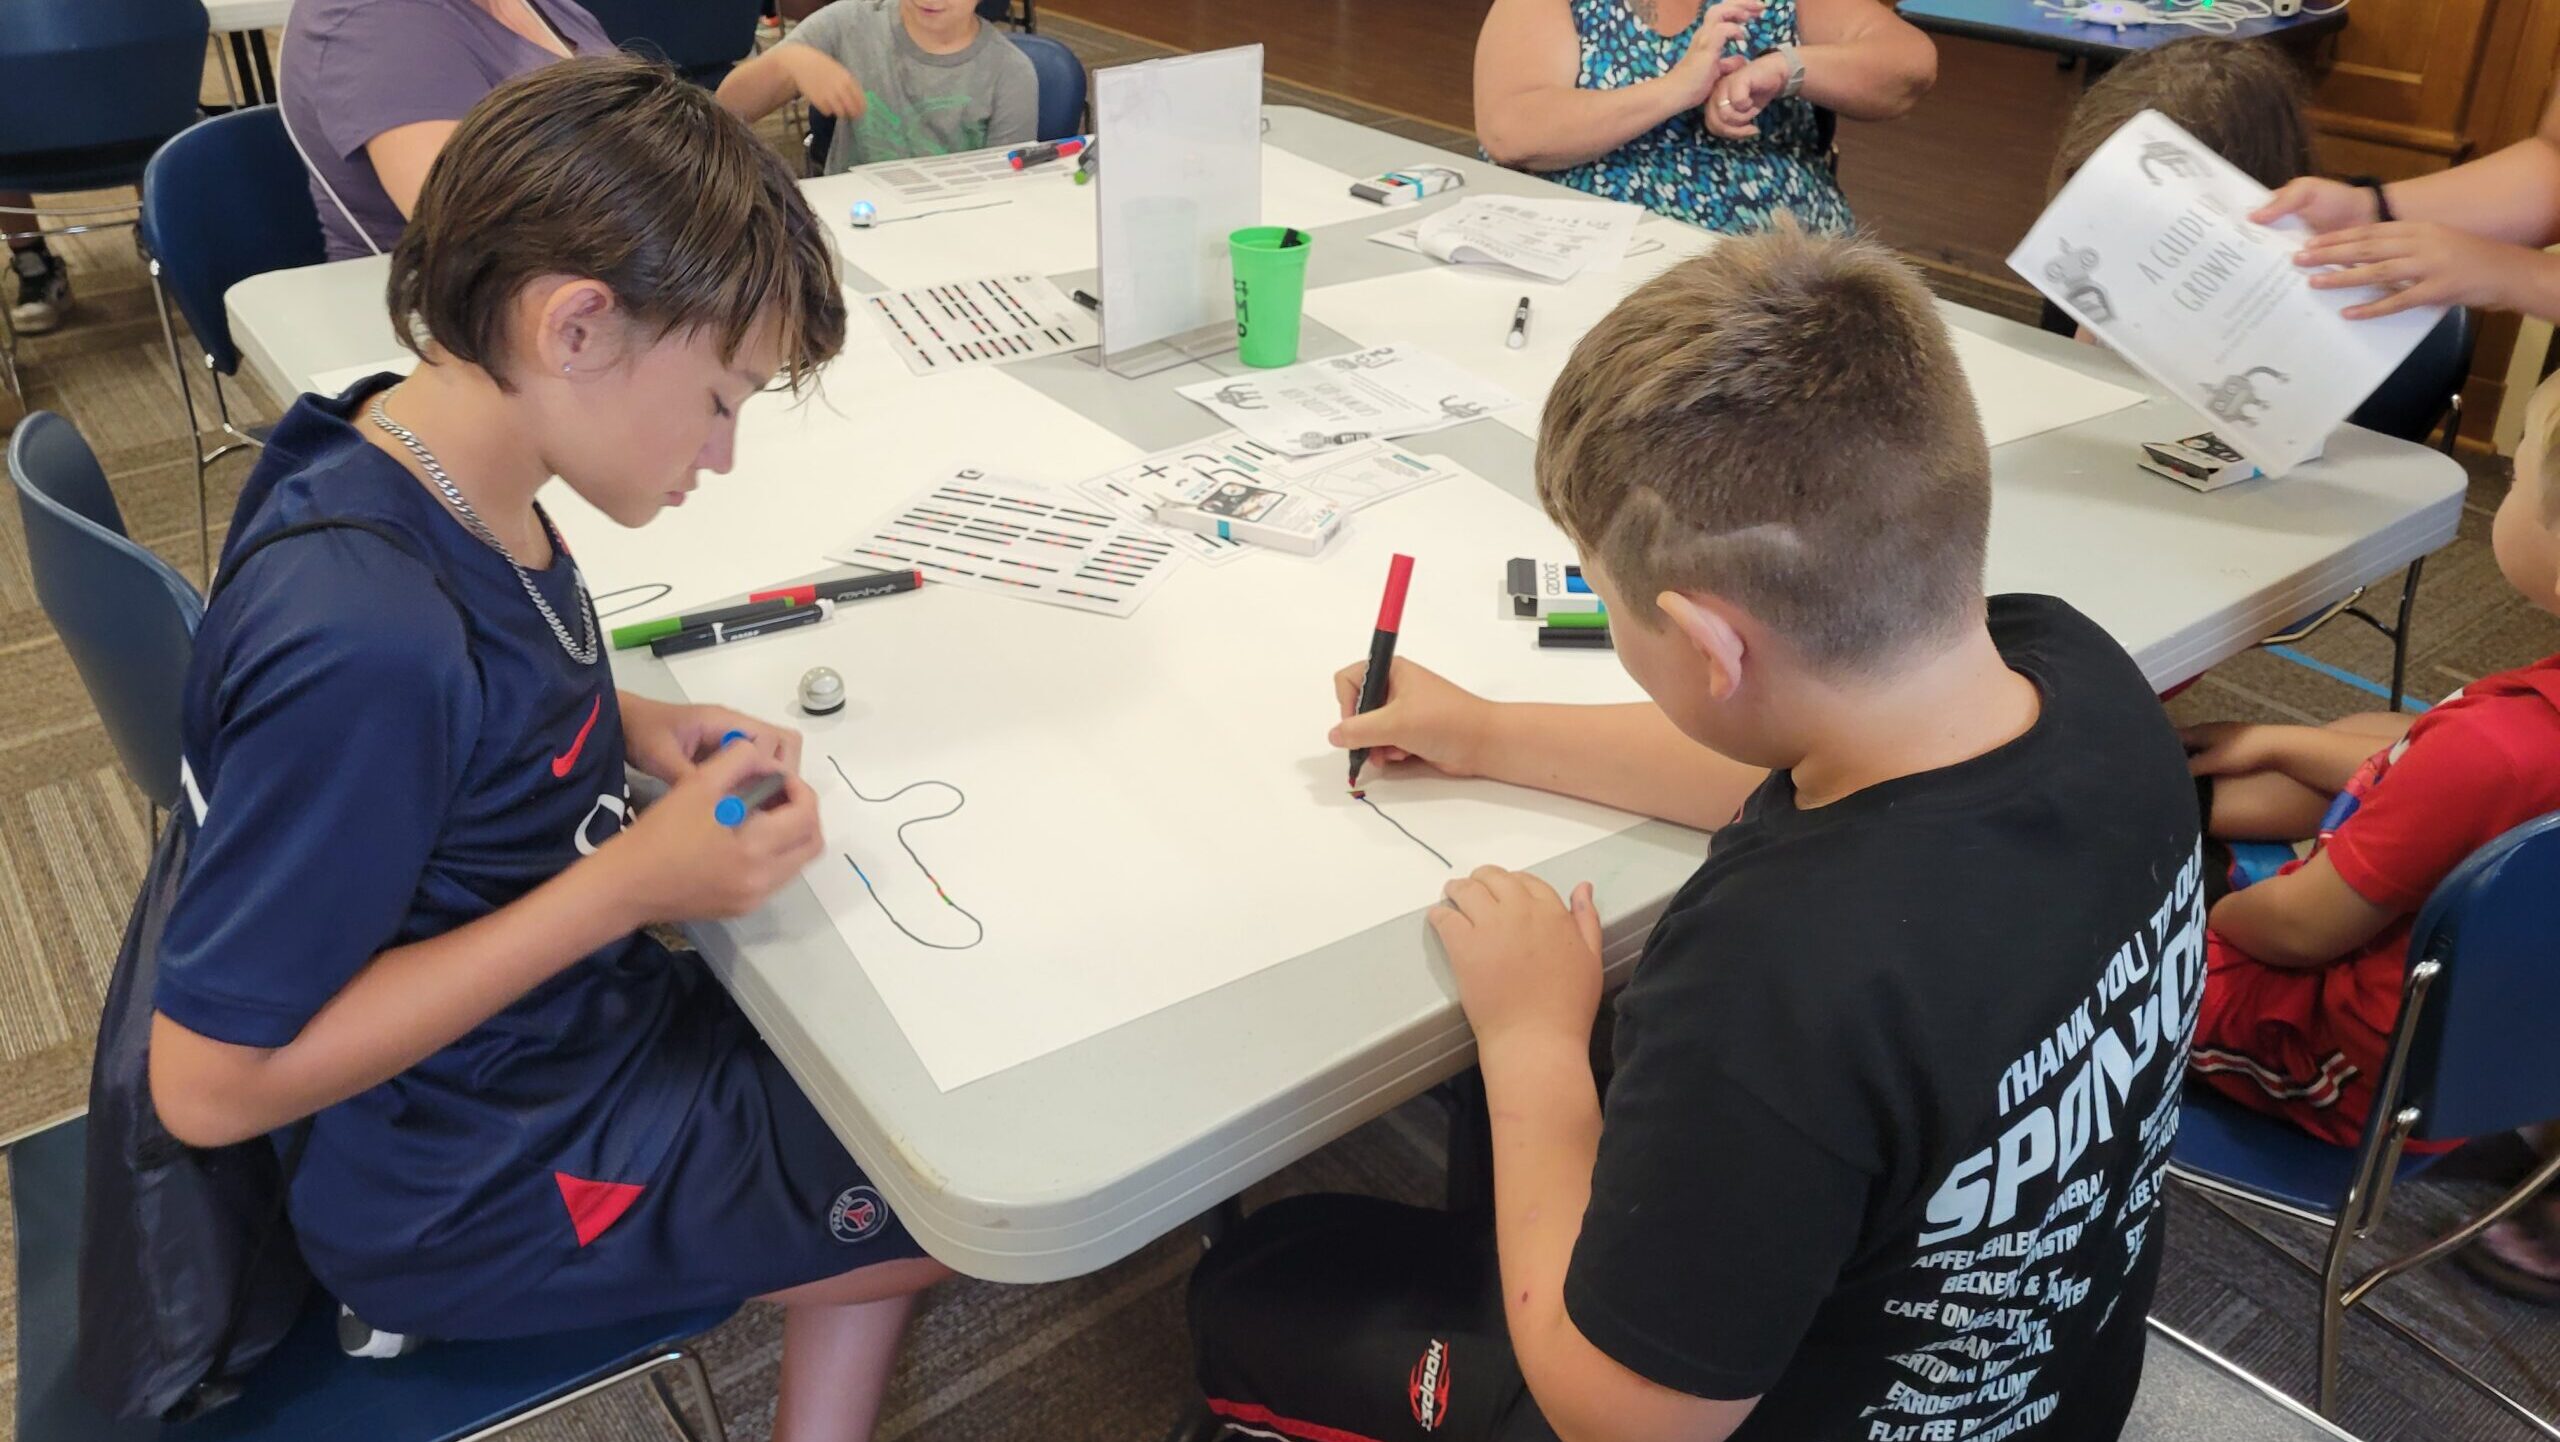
<point>2313,663</point>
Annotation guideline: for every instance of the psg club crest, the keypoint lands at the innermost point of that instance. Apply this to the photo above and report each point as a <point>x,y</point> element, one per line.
<point>858,1215</point>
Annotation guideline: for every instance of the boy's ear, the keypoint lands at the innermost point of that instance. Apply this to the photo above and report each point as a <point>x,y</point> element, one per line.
<point>1707,625</point>
<point>573,323</point>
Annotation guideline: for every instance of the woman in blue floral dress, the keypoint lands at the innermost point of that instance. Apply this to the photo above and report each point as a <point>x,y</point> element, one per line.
<point>1703,112</point>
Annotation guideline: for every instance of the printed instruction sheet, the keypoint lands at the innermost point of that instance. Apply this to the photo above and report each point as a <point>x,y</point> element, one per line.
<point>989,533</point>
<point>2150,246</point>
<point>1322,405</point>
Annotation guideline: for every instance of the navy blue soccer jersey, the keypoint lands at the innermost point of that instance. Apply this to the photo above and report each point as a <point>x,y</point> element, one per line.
<point>383,743</point>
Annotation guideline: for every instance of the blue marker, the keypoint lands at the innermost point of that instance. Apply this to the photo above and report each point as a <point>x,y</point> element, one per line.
<point>734,808</point>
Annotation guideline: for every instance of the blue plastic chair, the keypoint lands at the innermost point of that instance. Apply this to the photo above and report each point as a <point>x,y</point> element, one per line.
<point>1062,94</point>
<point>88,91</point>
<point>126,616</point>
<point>226,200</point>
<point>1062,84</point>
<point>2471,1056</point>
<point>703,39</point>
<point>307,1390</point>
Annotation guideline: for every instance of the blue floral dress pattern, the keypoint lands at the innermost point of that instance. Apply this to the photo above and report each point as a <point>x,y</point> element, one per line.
<point>1679,168</point>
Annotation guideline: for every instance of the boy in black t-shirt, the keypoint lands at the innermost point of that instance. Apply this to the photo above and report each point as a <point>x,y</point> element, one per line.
<point>1897,1074</point>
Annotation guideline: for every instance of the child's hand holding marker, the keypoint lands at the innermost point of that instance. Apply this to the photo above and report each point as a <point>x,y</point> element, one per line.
<point>668,741</point>
<point>1426,718</point>
<point>681,862</point>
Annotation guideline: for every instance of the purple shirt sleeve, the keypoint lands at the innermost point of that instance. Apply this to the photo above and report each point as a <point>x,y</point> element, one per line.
<point>352,70</point>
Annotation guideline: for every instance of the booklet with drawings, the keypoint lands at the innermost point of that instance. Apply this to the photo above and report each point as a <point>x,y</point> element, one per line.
<point>2151,248</point>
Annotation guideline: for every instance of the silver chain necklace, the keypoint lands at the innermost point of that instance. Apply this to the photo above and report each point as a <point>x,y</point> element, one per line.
<point>582,652</point>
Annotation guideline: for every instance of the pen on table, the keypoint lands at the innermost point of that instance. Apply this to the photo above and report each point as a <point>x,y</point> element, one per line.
<point>1519,325</point>
<point>1041,154</point>
<point>1575,638</point>
<point>721,633</point>
<point>843,588</point>
<point>640,633</point>
<point>1088,300</point>
<point>1382,652</point>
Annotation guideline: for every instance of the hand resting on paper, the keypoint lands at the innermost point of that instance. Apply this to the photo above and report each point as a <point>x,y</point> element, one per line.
<point>1426,718</point>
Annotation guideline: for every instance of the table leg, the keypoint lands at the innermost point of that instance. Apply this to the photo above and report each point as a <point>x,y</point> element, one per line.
<point>263,88</point>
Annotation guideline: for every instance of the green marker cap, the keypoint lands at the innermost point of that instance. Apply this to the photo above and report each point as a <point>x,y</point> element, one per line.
<point>641,633</point>
<point>1578,620</point>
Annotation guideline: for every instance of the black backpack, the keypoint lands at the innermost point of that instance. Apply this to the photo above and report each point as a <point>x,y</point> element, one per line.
<point>189,1275</point>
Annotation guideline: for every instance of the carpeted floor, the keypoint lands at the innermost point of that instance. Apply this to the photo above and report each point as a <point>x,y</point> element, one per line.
<point>1102,1359</point>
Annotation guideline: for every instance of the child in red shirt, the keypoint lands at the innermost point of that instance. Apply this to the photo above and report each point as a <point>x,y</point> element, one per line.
<point>2304,969</point>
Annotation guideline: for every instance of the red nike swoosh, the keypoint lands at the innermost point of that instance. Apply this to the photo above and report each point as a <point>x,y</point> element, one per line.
<point>561,763</point>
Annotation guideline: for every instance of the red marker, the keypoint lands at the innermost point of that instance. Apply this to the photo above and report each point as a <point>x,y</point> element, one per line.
<point>850,588</point>
<point>1382,652</point>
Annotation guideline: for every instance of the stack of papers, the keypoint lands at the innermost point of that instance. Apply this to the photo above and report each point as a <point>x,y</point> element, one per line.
<point>1350,478</point>
<point>1550,239</point>
<point>1375,394</point>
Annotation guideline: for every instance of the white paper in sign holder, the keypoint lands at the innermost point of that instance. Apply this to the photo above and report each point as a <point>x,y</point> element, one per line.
<point>1179,168</point>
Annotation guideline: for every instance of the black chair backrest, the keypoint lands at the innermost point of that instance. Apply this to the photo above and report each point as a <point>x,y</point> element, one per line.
<point>226,200</point>
<point>702,39</point>
<point>2413,401</point>
<point>127,618</point>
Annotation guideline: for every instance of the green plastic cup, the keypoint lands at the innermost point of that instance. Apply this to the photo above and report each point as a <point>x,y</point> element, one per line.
<point>1271,292</point>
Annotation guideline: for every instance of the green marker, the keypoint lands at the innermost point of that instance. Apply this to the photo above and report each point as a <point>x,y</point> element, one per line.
<point>1579,620</point>
<point>641,633</point>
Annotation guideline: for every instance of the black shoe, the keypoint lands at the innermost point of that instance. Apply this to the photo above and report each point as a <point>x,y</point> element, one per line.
<point>44,292</point>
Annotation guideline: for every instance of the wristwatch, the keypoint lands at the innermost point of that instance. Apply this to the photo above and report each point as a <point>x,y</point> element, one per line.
<point>1795,71</point>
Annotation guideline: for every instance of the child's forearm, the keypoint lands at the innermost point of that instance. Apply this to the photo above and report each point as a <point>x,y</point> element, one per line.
<point>2511,195</point>
<point>2323,759</point>
<point>754,90</point>
<point>403,1007</point>
<point>1628,756</point>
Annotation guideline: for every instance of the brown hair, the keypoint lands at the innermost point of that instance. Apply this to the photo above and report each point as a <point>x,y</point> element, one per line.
<point>1782,422</point>
<point>618,170</point>
<point>2243,98</point>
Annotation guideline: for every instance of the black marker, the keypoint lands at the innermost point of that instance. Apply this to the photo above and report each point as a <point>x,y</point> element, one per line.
<point>1382,653</point>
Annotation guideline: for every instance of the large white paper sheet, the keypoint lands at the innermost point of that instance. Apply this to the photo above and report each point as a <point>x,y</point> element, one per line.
<point>1464,312</point>
<point>1151,809</point>
<point>1352,477</point>
<point>2150,246</point>
<point>1045,224</point>
<point>2020,395</point>
<point>810,471</point>
<point>1343,400</point>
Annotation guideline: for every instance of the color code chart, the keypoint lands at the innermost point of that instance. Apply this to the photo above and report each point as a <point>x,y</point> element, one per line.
<point>1015,539</point>
<point>937,329</point>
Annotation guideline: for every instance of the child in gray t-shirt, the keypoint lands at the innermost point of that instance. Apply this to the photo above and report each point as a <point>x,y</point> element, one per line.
<point>902,78</point>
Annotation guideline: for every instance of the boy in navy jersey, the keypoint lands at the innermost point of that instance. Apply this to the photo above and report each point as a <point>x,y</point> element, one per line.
<point>412,911</point>
<point>1896,1076</point>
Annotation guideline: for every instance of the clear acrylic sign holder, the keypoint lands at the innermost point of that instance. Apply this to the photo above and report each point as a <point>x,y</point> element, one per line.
<point>1178,170</point>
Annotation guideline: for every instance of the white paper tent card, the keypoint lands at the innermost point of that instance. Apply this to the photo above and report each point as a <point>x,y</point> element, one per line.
<point>1151,810</point>
<point>2150,246</point>
<point>1321,405</point>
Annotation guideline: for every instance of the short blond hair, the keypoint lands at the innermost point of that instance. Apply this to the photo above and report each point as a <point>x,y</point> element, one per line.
<point>1781,422</point>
